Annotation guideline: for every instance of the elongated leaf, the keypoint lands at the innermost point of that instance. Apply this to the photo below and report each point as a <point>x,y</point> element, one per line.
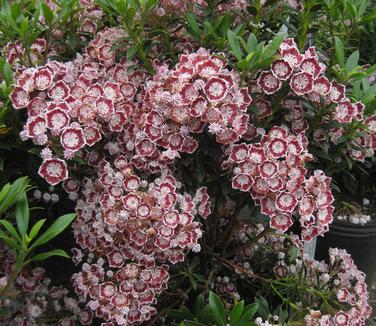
<point>249,312</point>
<point>15,190</point>
<point>263,307</point>
<point>193,25</point>
<point>180,314</point>
<point>352,61</point>
<point>340,52</point>
<point>22,214</point>
<point>370,70</point>
<point>199,304</point>
<point>218,310</point>
<point>225,24</point>
<point>234,44</point>
<point>8,75</point>
<point>56,228</point>
<point>133,51</point>
<point>45,255</point>
<point>10,242</point>
<point>11,229</point>
<point>193,323</point>
<point>273,46</point>
<point>368,18</point>
<point>36,228</point>
<point>251,42</point>
<point>236,312</point>
<point>48,14</point>
<point>3,193</point>
<point>204,315</point>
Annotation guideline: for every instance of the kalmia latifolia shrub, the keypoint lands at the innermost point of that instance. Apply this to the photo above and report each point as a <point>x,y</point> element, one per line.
<point>115,133</point>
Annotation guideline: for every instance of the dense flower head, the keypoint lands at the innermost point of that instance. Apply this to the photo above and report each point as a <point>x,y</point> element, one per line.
<point>135,227</point>
<point>305,76</point>
<point>338,279</point>
<point>200,91</point>
<point>273,172</point>
<point>168,7</point>
<point>343,278</point>
<point>90,99</point>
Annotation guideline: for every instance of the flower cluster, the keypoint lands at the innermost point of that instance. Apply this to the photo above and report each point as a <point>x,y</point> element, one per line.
<point>273,172</point>
<point>342,277</point>
<point>88,15</point>
<point>305,75</point>
<point>35,298</point>
<point>200,91</point>
<point>15,52</point>
<point>135,227</point>
<point>168,7</point>
<point>226,288</point>
<point>339,281</point>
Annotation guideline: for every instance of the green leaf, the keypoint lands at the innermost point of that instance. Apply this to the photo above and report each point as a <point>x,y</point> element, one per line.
<point>36,228</point>
<point>208,29</point>
<point>236,312</point>
<point>133,51</point>
<point>205,315</point>
<point>11,229</point>
<point>234,44</point>
<point>225,24</point>
<point>10,242</point>
<point>22,214</point>
<point>352,61</point>
<point>273,46</point>
<point>251,42</point>
<point>218,310</point>
<point>14,190</point>
<point>368,18</point>
<point>263,307</point>
<point>180,314</point>
<point>340,52</point>
<point>370,70</point>
<point>8,75</point>
<point>199,304</point>
<point>48,254</point>
<point>193,323</point>
<point>56,228</point>
<point>3,193</point>
<point>249,312</point>
<point>193,25</point>
<point>48,14</point>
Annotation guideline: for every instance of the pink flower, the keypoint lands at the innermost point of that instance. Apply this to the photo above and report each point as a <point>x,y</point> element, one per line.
<point>53,170</point>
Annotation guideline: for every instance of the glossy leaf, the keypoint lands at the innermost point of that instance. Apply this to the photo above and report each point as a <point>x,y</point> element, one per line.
<point>193,25</point>
<point>22,214</point>
<point>10,242</point>
<point>36,228</point>
<point>11,229</point>
<point>45,255</point>
<point>236,312</point>
<point>47,13</point>
<point>249,312</point>
<point>56,228</point>
<point>234,44</point>
<point>352,61</point>
<point>218,310</point>
<point>340,52</point>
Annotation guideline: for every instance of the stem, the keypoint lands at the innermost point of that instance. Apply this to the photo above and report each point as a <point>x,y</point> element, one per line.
<point>183,295</point>
<point>227,234</point>
<point>17,269</point>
